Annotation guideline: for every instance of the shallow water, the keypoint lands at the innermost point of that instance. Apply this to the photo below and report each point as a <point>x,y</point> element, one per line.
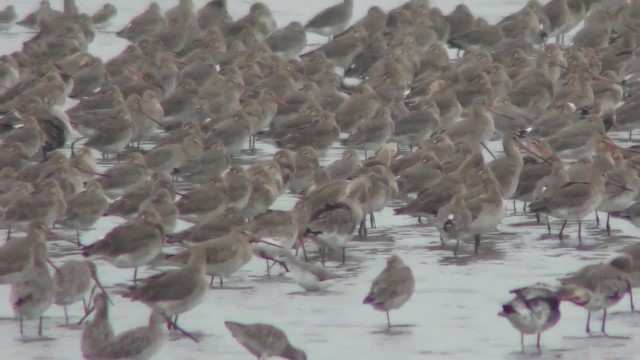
<point>452,314</point>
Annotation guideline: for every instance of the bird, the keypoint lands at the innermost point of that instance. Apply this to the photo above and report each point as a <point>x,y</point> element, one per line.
<point>178,291</point>
<point>332,20</point>
<point>104,16</point>
<point>309,276</point>
<point>598,286</point>
<point>264,340</point>
<point>72,282</point>
<point>119,247</point>
<point>392,288</point>
<point>137,343</point>
<point>33,293</point>
<point>533,310</point>
<point>98,331</point>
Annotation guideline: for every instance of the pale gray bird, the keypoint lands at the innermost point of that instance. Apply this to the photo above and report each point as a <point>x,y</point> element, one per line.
<point>310,277</point>
<point>104,16</point>
<point>332,20</point>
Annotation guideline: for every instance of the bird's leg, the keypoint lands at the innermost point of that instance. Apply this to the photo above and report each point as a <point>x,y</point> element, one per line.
<point>608,224</point>
<point>221,282</point>
<point>40,326</point>
<point>514,207</point>
<point>304,251</point>
<point>477,243</point>
<point>135,276</point>
<point>522,342</point>
<point>562,229</point>
<point>630,290</point>
<point>78,238</point>
<point>604,321</point>
<point>548,224</point>
<point>372,220</point>
<point>419,219</point>
<point>268,267</point>
<point>538,342</point>
<point>524,206</point>
<point>66,317</point>
<point>597,219</point>
<point>589,322</point>
<point>580,231</point>
<point>211,282</point>
<point>322,250</point>
<point>344,255</point>
<point>8,233</point>
<point>537,218</point>
<point>21,328</point>
<point>362,231</point>
<point>388,320</point>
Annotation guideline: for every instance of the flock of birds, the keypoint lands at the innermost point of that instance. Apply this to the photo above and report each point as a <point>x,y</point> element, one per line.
<point>195,88</point>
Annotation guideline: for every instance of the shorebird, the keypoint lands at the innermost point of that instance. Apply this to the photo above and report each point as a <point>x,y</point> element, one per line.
<point>577,139</point>
<point>417,126</point>
<point>599,286</point>
<point>162,202</point>
<point>129,203</point>
<point>309,276</point>
<point>345,167</point>
<point>214,13</point>
<point>487,209</point>
<point>237,187</point>
<point>118,248</point>
<point>289,41</point>
<point>392,288</point>
<point>371,134</point>
<point>507,169</point>
<point>453,221</point>
<point>138,343</point>
<point>178,291</point>
<point>533,310</point>
<point>169,157</point>
<point>144,25</point>
<point>125,176</point>
<point>8,18</point>
<point>208,200</point>
<point>277,227</point>
<point>85,208</point>
<point>218,226</point>
<point>332,225</point>
<point>477,128</point>
<point>32,294</point>
<point>573,201</point>
<point>98,331</point>
<point>103,17</point>
<point>72,282</point>
<point>332,20</point>
<point>264,340</point>
<point>225,255</point>
<point>47,204</point>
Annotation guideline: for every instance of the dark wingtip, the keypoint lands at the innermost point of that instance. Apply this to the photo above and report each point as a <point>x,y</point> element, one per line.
<point>399,211</point>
